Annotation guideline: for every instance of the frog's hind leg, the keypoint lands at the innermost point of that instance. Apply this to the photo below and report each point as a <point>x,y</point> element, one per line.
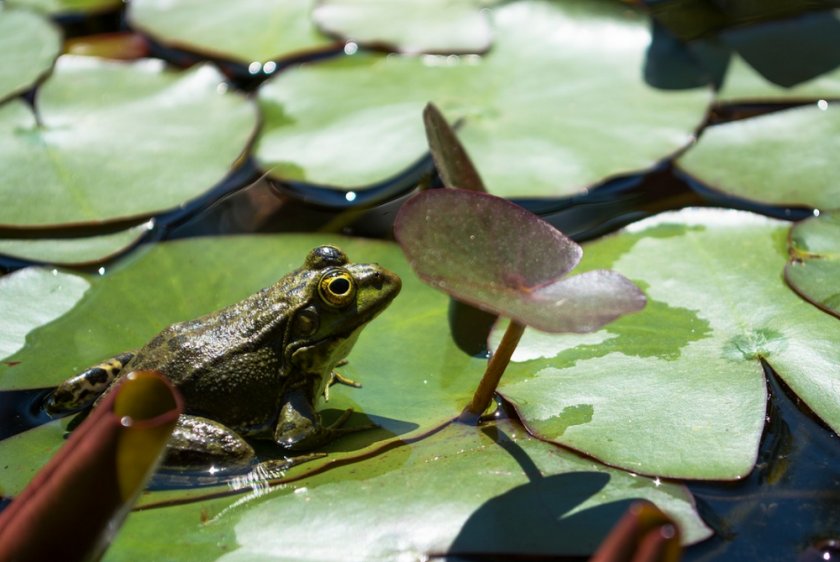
<point>82,390</point>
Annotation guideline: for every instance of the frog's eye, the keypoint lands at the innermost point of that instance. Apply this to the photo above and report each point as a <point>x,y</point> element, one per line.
<point>337,288</point>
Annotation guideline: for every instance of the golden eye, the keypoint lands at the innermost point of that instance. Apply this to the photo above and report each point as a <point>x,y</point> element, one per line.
<point>337,288</point>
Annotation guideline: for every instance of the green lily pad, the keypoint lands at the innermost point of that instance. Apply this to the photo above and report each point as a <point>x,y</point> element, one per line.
<point>28,46</point>
<point>743,84</point>
<point>74,250</point>
<point>558,105</point>
<point>245,31</point>
<point>408,390</point>
<point>783,158</point>
<point>117,140</point>
<point>33,297</point>
<point>58,7</point>
<point>455,491</point>
<point>678,389</point>
<point>814,271</point>
<point>409,26</point>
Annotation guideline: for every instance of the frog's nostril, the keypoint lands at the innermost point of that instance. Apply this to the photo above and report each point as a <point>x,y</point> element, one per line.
<point>377,280</point>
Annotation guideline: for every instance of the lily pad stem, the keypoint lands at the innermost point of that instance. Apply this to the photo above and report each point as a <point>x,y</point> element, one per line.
<point>493,374</point>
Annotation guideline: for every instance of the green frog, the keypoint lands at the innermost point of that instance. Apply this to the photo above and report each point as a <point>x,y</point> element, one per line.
<point>254,369</point>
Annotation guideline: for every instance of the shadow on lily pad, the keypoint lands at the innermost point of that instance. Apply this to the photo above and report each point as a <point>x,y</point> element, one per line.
<point>535,518</point>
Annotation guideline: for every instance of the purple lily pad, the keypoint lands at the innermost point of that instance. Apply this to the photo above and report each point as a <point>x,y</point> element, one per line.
<point>501,258</point>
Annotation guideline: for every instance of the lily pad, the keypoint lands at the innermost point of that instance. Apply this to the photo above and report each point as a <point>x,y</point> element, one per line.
<point>33,297</point>
<point>456,491</point>
<point>814,271</point>
<point>28,46</point>
<point>60,7</point>
<point>783,158</point>
<point>503,259</point>
<point>744,85</point>
<point>245,31</point>
<point>74,250</point>
<point>356,120</point>
<point>409,26</point>
<point>404,391</point>
<point>115,140</point>
<point>678,389</point>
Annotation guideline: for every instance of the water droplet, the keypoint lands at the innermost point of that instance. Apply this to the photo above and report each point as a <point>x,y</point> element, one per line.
<point>254,68</point>
<point>101,270</point>
<point>350,196</point>
<point>269,67</point>
<point>351,48</point>
<point>822,105</point>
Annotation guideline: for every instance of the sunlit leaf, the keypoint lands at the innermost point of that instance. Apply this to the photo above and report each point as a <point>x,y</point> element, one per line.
<point>501,258</point>
<point>814,271</point>
<point>409,26</point>
<point>405,389</point>
<point>28,46</point>
<point>784,158</point>
<point>245,31</point>
<point>557,105</point>
<point>31,298</point>
<point>744,84</point>
<point>678,389</point>
<point>73,250</point>
<point>455,491</point>
<point>116,140</point>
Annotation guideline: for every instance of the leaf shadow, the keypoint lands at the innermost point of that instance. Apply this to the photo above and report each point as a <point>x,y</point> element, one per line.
<point>537,518</point>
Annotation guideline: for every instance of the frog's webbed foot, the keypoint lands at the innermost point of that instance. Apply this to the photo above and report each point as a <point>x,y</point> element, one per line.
<point>336,377</point>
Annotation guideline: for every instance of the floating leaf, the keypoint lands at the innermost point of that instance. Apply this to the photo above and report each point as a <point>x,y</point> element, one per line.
<point>245,31</point>
<point>455,491</point>
<point>409,26</point>
<point>73,250</point>
<point>28,46</point>
<point>62,7</point>
<point>117,140</point>
<point>503,259</point>
<point>355,121</point>
<point>743,84</point>
<point>784,158</point>
<point>405,389</point>
<point>34,297</point>
<point>678,389</point>
<point>814,271</point>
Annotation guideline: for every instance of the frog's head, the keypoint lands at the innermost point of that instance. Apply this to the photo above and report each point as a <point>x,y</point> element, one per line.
<point>341,298</point>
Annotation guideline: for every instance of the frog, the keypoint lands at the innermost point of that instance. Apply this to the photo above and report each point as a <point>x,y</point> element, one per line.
<point>254,370</point>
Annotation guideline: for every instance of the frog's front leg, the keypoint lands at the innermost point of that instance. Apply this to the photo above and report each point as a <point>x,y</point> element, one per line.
<point>336,377</point>
<point>83,389</point>
<point>299,426</point>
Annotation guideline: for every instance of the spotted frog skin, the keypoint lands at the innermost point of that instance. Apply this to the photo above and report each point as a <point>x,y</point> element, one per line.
<point>256,368</point>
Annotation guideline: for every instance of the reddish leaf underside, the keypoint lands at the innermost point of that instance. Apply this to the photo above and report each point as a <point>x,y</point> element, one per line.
<point>501,258</point>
